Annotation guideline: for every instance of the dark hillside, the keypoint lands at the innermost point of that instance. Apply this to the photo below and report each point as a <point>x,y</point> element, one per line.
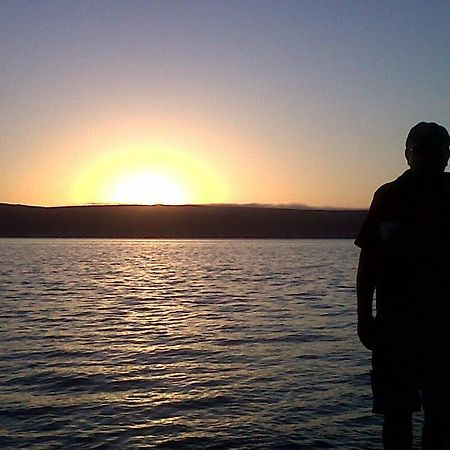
<point>177,222</point>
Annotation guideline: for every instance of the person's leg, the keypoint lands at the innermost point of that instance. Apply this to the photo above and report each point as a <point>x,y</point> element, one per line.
<point>436,397</point>
<point>397,431</point>
<point>436,431</point>
<point>396,393</point>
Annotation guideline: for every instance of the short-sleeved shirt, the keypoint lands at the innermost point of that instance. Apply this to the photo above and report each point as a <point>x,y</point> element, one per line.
<point>408,229</point>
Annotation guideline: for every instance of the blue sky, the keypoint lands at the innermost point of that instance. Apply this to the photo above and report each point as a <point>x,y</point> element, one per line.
<point>285,102</point>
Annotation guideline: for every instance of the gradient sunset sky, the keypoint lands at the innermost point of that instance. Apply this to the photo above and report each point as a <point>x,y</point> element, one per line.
<point>215,101</point>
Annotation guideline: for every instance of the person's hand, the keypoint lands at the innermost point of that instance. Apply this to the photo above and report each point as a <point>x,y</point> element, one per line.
<point>367,332</point>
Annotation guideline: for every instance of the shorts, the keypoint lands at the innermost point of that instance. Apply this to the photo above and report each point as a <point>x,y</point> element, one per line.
<point>405,380</point>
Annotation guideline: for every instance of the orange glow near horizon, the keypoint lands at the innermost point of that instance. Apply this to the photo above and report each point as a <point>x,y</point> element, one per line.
<point>138,173</point>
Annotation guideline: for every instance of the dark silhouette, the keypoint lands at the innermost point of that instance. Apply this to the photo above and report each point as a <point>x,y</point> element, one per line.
<point>405,258</point>
<point>187,221</point>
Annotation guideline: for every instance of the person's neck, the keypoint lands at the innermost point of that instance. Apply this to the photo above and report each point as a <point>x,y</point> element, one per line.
<point>426,177</point>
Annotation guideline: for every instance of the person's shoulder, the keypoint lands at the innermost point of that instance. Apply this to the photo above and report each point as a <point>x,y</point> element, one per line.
<point>391,188</point>
<point>386,189</point>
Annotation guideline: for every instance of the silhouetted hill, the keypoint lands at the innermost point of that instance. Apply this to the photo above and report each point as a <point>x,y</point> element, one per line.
<point>185,221</point>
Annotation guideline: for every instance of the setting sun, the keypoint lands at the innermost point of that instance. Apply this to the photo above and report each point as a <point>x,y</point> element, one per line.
<point>147,188</point>
<point>147,172</point>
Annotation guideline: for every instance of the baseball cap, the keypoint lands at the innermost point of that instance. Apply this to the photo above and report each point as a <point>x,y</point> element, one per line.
<point>427,134</point>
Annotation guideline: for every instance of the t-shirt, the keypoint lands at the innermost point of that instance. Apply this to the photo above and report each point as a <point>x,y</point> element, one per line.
<point>408,229</point>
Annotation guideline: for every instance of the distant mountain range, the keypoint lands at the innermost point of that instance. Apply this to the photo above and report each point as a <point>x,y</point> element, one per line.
<point>184,221</point>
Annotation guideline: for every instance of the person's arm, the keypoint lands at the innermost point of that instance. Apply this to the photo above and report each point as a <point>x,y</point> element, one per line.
<point>365,288</point>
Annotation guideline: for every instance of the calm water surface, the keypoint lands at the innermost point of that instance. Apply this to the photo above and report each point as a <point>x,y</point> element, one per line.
<point>128,344</point>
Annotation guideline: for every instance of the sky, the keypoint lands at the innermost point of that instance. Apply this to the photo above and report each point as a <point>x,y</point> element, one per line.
<point>274,102</point>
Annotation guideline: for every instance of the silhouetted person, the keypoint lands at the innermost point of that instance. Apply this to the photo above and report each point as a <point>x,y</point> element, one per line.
<point>405,258</point>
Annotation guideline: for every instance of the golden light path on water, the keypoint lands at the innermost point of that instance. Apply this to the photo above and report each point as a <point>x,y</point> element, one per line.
<point>141,173</point>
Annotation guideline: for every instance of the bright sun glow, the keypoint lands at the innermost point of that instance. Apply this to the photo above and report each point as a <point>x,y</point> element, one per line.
<point>147,188</point>
<point>148,173</point>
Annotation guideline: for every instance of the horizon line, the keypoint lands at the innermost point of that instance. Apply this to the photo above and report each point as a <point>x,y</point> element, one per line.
<point>243,205</point>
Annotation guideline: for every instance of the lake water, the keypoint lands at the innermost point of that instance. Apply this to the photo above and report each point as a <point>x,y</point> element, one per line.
<point>129,344</point>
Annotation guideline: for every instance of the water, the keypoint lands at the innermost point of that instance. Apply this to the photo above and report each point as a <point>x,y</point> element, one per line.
<point>129,344</point>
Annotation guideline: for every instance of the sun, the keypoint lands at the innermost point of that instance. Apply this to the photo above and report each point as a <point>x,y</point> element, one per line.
<point>148,173</point>
<point>148,188</point>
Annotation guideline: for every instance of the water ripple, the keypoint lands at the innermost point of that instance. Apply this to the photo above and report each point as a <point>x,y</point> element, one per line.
<point>245,344</point>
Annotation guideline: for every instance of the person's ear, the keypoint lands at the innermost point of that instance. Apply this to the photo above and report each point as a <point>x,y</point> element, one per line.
<point>446,156</point>
<point>407,154</point>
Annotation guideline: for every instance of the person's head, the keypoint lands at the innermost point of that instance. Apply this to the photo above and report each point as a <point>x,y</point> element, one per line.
<point>427,148</point>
